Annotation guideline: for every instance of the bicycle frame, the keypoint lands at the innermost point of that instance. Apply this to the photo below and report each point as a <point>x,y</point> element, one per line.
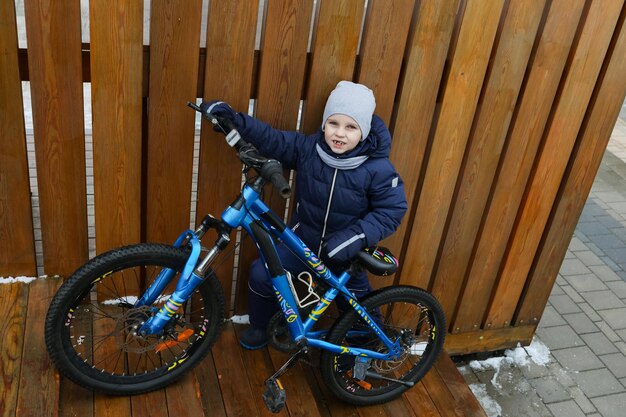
<point>250,212</point>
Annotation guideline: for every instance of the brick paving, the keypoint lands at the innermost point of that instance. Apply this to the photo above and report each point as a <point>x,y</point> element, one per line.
<point>584,324</point>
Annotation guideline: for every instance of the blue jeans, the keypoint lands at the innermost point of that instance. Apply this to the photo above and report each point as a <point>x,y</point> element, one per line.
<point>262,304</point>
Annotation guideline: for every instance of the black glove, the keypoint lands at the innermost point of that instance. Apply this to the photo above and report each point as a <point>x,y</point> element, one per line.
<point>342,246</point>
<point>222,109</point>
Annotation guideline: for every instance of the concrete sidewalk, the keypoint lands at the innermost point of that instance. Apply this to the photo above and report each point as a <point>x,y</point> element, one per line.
<point>584,324</point>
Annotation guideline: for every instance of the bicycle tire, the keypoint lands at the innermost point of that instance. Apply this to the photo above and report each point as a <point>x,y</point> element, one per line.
<point>88,325</point>
<point>398,310</point>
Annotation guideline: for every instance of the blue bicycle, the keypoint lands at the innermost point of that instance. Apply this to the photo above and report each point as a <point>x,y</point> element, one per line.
<point>119,326</point>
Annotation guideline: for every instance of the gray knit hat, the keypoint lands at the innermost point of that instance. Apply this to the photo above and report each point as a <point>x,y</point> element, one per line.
<point>354,100</point>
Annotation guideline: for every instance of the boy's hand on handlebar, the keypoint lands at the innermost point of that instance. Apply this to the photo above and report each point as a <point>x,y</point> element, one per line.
<point>222,110</point>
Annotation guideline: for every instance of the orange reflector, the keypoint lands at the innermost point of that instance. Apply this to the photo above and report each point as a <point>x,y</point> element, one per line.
<point>169,343</point>
<point>363,384</point>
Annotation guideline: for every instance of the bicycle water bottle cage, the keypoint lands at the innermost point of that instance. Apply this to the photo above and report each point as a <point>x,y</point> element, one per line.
<point>378,260</point>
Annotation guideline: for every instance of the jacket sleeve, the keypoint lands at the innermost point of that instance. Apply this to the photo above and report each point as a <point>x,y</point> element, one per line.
<point>272,143</point>
<point>387,207</point>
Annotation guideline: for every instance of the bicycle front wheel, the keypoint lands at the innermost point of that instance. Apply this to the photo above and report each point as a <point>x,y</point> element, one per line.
<point>91,323</point>
<point>404,313</point>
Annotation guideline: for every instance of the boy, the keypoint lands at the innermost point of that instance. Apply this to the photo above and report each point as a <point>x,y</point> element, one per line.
<point>349,195</point>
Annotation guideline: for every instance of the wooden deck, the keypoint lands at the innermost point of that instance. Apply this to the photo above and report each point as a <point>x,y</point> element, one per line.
<point>228,383</point>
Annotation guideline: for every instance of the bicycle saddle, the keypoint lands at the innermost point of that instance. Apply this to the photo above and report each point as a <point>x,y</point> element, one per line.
<point>377,260</point>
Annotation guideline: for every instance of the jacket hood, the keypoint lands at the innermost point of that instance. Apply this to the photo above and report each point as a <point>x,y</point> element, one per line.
<point>376,145</point>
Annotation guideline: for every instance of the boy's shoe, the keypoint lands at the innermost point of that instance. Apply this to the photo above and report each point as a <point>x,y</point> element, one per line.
<point>253,338</point>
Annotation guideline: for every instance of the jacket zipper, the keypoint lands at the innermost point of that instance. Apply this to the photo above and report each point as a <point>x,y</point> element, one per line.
<point>330,199</point>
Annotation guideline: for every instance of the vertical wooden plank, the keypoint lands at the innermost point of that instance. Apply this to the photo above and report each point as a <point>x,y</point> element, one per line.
<point>116,74</point>
<point>228,77</point>
<point>382,49</point>
<point>174,57</point>
<point>12,330</point>
<point>17,246</point>
<point>39,381</point>
<point>467,72</point>
<point>546,67</point>
<point>502,85</point>
<point>55,70</point>
<point>333,55</point>
<point>280,84</point>
<point>549,168</point>
<point>75,400</point>
<point>428,48</point>
<point>577,182</point>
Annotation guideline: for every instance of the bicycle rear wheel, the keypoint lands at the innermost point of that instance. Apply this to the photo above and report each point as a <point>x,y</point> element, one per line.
<point>406,313</point>
<point>90,325</point>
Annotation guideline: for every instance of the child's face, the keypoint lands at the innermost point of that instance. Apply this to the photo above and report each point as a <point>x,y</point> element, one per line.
<point>341,133</point>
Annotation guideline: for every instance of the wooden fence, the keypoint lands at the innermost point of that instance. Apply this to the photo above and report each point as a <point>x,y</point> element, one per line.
<point>500,112</point>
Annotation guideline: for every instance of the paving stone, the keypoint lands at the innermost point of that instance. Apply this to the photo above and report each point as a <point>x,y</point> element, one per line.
<point>576,244</point>
<point>591,228</point>
<point>581,323</point>
<point>564,376</point>
<point>608,332</point>
<point>610,196</point>
<point>616,363</point>
<point>599,343</point>
<point>559,337</point>
<point>618,288</point>
<point>595,249</point>
<point>598,382</point>
<point>532,370</point>
<point>621,346</point>
<point>616,318</point>
<point>603,300</point>
<point>622,334</point>
<point>573,294</point>
<point>609,263</point>
<point>611,405</point>
<point>586,282</point>
<point>581,399</point>
<point>590,312</point>
<point>607,241</point>
<point>573,267</point>
<point>556,289</point>
<point>566,409</point>
<point>578,358</point>
<point>618,254</point>
<point>551,318</point>
<point>588,258</point>
<point>563,304</point>
<point>569,255</point>
<point>605,273</point>
<point>550,390</point>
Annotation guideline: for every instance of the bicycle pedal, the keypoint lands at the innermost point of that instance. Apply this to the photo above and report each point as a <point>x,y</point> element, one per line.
<point>274,395</point>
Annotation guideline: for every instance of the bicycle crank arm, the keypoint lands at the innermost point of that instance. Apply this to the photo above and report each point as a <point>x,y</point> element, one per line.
<point>384,378</point>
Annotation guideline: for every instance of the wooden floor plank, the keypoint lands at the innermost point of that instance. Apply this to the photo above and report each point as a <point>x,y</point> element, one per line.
<point>259,367</point>
<point>183,397</point>
<point>233,376</point>
<point>210,393</point>
<point>39,382</point>
<point>440,395</point>
<point>75,401</point>
<point>12,327</point>
<point>458,387</point>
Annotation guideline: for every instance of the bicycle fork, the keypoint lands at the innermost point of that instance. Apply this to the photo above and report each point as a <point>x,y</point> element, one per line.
<point>192,276</point>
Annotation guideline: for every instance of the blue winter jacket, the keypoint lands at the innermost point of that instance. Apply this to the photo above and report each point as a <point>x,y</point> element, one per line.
<point>338,211</point>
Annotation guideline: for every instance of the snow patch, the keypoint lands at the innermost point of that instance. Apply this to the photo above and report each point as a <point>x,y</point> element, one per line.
<point>491,407</point>
<point>12,280</point>
<point>240,319</point>
<point>539,352</point>
<point>491,363</point>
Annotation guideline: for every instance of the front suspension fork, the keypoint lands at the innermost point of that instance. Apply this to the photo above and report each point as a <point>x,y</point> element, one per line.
<point>192,276</point>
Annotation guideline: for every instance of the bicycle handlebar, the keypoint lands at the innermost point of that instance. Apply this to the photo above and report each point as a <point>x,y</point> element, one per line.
<point>269,169</point>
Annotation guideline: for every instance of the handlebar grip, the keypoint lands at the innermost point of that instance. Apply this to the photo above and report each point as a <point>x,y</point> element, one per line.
<point>281,184</point>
